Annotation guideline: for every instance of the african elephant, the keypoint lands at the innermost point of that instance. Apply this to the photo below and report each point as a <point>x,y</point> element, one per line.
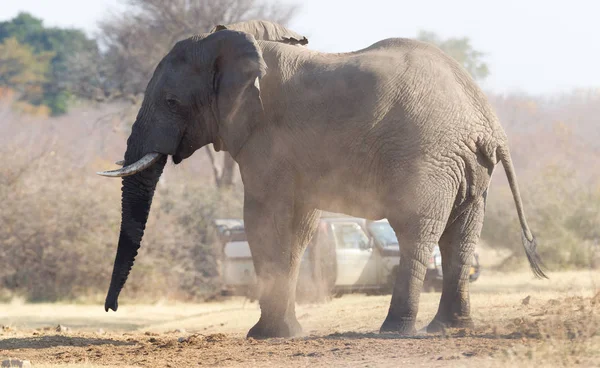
<point>397,130</point>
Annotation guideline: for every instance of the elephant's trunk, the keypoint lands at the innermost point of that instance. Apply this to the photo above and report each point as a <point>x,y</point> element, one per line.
<point>137,194</point>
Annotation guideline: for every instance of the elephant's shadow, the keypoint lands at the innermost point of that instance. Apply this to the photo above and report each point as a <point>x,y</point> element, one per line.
<point>418,336</point>
<point>45,342</point>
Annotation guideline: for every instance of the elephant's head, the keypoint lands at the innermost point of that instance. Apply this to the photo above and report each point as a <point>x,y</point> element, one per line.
<point>205,90</point>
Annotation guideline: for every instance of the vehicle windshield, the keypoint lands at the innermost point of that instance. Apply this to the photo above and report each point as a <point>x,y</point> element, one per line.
<point>350,236</point>
<point>383,232</point>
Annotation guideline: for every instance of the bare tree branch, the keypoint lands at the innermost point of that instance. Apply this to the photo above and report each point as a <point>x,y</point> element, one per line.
<point>136,40</point>
<point>217,172</point>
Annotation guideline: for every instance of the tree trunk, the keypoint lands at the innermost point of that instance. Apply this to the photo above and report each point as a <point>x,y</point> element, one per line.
<point>224,172</point>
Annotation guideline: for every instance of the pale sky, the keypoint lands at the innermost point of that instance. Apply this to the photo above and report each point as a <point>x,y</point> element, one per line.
<point>533,46</point>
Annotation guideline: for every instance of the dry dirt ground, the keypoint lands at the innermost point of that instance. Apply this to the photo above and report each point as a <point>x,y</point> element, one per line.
<point>520,322</point>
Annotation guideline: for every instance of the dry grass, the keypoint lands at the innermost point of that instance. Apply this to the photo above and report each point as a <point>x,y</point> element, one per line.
<point>557,327</point>
<point>81,366</point>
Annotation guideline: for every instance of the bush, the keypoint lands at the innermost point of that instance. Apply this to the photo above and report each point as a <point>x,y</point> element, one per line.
<point>52,232</point>
<point>562,211</point>
<point>60,229</point>
<point>181,236</point>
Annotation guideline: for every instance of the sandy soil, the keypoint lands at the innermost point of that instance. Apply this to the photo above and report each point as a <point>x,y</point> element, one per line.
<point>520,322</point>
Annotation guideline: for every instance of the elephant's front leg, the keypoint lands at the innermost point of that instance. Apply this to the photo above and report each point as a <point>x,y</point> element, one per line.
<point>278,229</point>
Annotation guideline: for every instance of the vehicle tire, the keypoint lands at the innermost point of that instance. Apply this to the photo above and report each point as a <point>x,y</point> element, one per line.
<point>389,288</point>
<point>338,294</point>
<point>431,286</point>
<point>427,286</point>
<point>226,293</point>
<point>251,293</point>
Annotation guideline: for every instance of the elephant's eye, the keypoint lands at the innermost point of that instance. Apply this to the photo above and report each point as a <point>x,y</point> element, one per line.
<point>172,103</point>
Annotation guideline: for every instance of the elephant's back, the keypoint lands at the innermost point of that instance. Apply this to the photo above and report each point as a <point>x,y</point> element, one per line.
<point>394,43</point>
<point>402,94</point>
<point>433,110</point>
<point>435,95</point>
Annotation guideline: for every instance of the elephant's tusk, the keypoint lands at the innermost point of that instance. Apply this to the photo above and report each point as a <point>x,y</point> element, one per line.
<point>148,160</point>
<point>120,162</point>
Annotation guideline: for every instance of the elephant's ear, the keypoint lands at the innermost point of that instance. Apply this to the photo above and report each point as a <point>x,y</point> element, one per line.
<point>219,27</point>
<point>238,65</point>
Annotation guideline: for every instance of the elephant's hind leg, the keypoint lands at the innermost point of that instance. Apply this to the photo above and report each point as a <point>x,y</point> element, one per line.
<point>417,236</point>
<point>278,232</point>
<point>457,246</point>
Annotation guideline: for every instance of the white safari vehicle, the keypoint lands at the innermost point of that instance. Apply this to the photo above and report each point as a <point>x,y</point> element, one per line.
<point>346,254</point>
<point>236,267</point>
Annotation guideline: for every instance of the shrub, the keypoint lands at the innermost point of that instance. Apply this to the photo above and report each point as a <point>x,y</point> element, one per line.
<point>59,231</point>
<point>563,212</point>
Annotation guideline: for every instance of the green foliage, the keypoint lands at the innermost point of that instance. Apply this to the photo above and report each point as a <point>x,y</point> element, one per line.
<point>61,43</point>
<point>462,51</point>
<point>23,70</point>
<point>58,102</point>
<point>21,27</point>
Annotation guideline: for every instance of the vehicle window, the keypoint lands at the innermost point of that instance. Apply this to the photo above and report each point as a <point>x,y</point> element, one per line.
<point>350,236</point>
<point>384,233</point>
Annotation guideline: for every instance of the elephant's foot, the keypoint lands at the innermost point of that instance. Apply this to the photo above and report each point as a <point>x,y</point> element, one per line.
<point>440,324</point>
<point>401,326</point>
<point>285,328</point>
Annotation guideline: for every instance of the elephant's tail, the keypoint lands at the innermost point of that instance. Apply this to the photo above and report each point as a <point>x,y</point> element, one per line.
<point>529,241</point>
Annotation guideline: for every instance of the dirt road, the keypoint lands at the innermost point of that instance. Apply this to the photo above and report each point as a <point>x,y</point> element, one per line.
<point>520,322</point>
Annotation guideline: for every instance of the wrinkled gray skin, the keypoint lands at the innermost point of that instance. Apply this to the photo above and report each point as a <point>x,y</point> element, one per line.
<point>397,130</point>
<point>265,30</point>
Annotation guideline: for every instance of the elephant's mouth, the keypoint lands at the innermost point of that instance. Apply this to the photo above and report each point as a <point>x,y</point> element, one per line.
<point>184,150</point>
<point>180,152</point>
<point>177,159</point>
<point>187,146</point>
